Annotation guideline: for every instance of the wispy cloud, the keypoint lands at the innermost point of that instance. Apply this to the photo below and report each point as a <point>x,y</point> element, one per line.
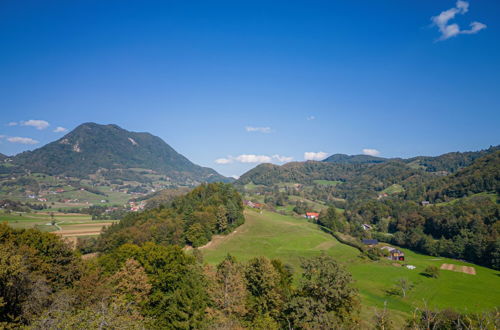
<point>224,161</point>
<point>60,129</point>
<point>371,152</point>
<point>453,30</point>
<point>311,118</point>
<point>282,159</point>
<point>251,158</point>
<point>22,140</point>
<point>36,123</point>
<point>258,129</point>
<point>310,155</point>
<point>12,123</point>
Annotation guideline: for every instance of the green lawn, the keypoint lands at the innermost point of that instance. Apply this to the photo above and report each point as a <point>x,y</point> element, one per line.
<point>290,239</point>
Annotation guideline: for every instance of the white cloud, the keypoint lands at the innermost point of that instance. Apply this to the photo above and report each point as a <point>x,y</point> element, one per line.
<point>38,124</point>
<point>22,140</point>
<point>282,159</point>
<point>315,155</point>
<point>253,159</point>
<point>224,161</point>
<point>258,129</point>
<point>12,123</point>
<point>236,177</point>
<point>371,152</point>
<point>311,118</point>
<point>452,30</point>
<point>250,158</point>
<point>60,129</point>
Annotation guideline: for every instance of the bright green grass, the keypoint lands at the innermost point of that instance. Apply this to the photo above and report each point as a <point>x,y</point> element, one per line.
<point>327,182</point>
<point>394,189</point>
<point>290,239</point>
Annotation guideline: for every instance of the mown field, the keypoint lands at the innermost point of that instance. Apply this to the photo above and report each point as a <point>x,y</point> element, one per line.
<point>290,239</point>
<point>66,225</point>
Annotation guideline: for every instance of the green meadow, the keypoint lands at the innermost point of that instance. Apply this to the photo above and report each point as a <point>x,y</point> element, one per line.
<point>291,238</point>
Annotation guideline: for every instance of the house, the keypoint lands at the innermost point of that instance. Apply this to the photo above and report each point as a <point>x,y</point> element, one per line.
<point>394,254</point>
<point>312,215</point>
<point>253,205</point>
<point>366,226</point>
<point>370,242</point>
<point>425,203</point>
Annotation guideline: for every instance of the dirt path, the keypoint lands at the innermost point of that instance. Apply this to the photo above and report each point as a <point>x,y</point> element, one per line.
<point>77,232</point>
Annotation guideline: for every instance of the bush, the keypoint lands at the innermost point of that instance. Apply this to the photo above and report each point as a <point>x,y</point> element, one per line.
<point>431,271</point>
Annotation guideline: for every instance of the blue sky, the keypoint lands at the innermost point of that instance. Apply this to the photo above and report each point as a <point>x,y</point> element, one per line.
<point>232,83</point>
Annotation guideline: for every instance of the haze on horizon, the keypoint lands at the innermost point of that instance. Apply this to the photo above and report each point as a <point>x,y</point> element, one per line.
<point>233,84</point>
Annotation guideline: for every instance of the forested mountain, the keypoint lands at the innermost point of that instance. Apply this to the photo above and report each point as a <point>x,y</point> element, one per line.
<point>482,176</point>
<point>450,162</point>
<point>2,157</point>
<point>92,147</point>
<point>354,159</point>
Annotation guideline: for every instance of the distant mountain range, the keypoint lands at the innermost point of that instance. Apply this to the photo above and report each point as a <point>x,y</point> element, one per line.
<point>363,171</point>
<point>449,162</point>
<point>113,151</point>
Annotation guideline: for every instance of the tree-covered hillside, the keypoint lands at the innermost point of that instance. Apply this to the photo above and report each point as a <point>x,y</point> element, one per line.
<point>209,209</point>
<point>354,159</point>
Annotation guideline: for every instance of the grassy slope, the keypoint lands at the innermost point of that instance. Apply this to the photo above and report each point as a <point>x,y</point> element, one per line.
<point>289,239</point>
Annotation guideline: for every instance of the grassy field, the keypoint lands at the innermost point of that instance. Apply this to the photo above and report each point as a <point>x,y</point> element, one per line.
<point>290,239</point>
<point>394,189</point>
<point>67,225</point>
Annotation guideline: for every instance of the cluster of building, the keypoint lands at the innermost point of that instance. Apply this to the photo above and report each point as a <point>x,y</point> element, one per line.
<point>136,207</point>
<point>394,253</point>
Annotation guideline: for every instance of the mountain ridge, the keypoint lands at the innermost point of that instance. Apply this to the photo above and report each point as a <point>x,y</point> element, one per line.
<point>92,147</point>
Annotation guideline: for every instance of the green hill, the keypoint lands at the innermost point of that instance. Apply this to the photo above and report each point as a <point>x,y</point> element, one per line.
<point>92,147</point>
<point>290,239</point>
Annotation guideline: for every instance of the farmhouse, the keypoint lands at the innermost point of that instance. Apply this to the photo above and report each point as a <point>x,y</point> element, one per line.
<point>370,242</point>
<point>394,254</point>
<point>425,203</point>
<point>312,215</point>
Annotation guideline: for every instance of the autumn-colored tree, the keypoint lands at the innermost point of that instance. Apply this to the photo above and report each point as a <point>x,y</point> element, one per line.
<point>131,283</point>
<point>228,293</point>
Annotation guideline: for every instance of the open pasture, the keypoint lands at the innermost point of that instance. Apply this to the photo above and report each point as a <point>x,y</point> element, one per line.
<point>292,238</point>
